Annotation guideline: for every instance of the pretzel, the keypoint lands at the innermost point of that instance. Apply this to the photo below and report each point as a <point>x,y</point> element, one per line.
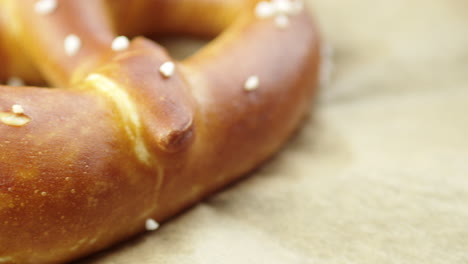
<point>130,136</point>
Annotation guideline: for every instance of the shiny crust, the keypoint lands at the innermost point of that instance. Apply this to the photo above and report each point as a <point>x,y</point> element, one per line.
<point>120,143</point>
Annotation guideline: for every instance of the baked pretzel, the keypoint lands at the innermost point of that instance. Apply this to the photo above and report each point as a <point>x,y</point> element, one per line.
<point>133,136</point>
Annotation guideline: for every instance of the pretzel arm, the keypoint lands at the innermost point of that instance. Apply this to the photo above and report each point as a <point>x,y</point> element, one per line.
<point>66,175</point>
<point>44,37</point>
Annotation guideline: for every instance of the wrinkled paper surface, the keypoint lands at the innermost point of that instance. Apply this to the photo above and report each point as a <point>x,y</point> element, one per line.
<point>379,174</point>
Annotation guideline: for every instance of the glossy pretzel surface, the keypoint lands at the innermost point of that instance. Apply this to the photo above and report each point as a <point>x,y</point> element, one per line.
<point>130,136</point>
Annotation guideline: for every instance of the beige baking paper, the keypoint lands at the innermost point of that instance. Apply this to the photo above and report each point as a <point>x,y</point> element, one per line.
<point>379,174</point>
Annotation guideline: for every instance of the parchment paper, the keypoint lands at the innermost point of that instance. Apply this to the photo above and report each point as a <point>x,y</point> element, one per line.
<point>379,174</point>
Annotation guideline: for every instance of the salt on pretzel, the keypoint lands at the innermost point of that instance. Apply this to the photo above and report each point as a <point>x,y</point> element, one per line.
<point>133,136</point>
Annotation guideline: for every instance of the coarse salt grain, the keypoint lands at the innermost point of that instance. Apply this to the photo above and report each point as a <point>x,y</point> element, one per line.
<point>72,45</point>
<point>15,81</point>
<point>120,43</point>
<point>167,69</point>
<point>45,7</point>
<point>264,9</point>
<point>151,225</point>
<point>252,83</point>
<point>17,109</point>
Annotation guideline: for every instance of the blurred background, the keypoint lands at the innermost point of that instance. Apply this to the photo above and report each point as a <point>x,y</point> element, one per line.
<point>379,171</point>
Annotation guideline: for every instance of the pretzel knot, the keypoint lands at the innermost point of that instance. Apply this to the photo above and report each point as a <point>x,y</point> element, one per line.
<point>129,136</point>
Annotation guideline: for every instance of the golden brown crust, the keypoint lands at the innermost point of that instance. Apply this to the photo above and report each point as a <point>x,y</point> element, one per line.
<point>13,60</point>
<point>127,142</point>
